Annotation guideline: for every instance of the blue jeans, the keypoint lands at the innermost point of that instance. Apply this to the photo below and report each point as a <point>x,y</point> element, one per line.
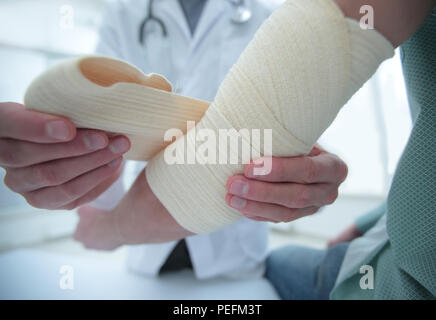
<point>302,273</point>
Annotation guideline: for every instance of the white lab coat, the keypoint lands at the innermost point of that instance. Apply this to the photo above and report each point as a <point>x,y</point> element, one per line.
<point>195,65</point>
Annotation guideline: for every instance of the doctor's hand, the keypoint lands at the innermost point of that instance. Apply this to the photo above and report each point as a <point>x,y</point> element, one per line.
<point>295,187</point>
<point>53,165</point>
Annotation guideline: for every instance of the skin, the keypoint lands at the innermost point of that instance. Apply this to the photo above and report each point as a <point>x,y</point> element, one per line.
<point>141,218</point>
<point>397,20</point>
<point>349,234</point>
<point>296,187</point>
<point>138,218</point>
<point>52,164</point>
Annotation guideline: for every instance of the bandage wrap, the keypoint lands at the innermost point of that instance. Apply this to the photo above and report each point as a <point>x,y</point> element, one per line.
<point>301,67</point>
<point>116,99</point>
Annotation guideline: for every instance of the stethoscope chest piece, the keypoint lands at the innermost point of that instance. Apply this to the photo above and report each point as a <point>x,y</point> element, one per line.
<point>242,14</point>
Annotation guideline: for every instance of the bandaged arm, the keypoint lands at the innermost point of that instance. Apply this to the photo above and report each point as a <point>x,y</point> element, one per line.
<point>302,66</point>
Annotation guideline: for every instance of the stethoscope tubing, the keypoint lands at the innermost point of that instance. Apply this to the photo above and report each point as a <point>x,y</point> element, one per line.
<point>151,17</point>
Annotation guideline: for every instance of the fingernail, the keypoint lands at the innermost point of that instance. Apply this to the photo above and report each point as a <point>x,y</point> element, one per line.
<point>237,203</point>
<point>94,141</point>
<point>119,145</point>
<point>57,129</point>
<point>238,187</point>
<point>114,163</point>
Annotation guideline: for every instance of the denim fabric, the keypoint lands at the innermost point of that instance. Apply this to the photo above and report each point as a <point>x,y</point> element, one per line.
<point>302,273</point>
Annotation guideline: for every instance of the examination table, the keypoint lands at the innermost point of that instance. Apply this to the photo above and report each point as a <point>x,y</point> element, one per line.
<point>34,274</point>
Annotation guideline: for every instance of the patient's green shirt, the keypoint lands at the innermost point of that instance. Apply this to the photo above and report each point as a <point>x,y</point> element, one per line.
<point>403,252</point>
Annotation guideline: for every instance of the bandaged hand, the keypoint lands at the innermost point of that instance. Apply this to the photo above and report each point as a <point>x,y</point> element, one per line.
<point>295,187</point>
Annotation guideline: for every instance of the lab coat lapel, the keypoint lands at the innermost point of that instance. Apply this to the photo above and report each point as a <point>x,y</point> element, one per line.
<point>175,11</point>
<point>212,11</point>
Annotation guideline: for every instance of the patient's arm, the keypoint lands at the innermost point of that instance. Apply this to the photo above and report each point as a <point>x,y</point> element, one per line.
<point>298,185</point>
<point>141,218</point>
<point>138,218</point>
<point>397,20</point>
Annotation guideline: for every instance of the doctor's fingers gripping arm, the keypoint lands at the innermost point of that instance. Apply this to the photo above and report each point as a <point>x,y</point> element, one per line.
<point>52,164</point>
<point>294,188</point>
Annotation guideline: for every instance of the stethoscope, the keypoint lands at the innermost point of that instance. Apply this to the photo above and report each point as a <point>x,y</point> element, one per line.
<point>241,15</point>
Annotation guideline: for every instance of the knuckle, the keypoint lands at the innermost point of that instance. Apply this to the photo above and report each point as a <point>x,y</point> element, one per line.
<point>67,192</point>
<point>303,197</point>
<point>33,200</point>
<point>11,182</point>
<point>310,212</point>
<point>262,193</point>
<point>45,175</point>
<point>343,171</point>
<point>267,195</point>
<point>314,210</point>
<point>287,219</point>
<point>7,155</point>
<point>289,215</point>
<point>339,167</point>
<point>311,170</point>
<point>101,157</point>
<point>8,181</point>
<point>332,196</point>
<point>279,169</point>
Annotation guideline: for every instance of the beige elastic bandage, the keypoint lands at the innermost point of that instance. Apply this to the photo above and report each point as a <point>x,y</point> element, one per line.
<point>301,67</point>
<point>111,95</point>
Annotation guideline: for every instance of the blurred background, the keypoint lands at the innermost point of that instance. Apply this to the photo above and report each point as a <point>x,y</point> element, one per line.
<point>35,34</point>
